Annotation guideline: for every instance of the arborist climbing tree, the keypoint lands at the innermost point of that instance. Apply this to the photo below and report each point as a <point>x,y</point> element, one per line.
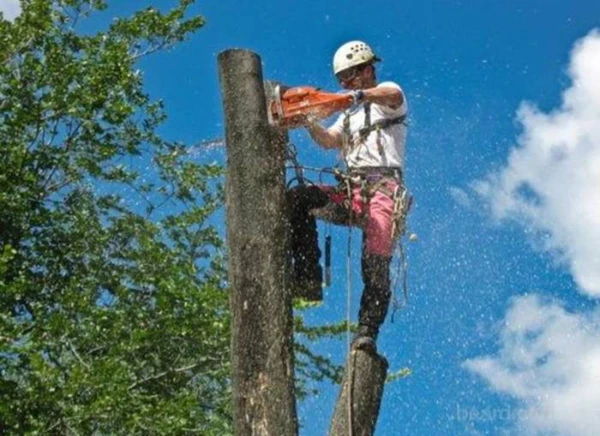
<point>371,136</point>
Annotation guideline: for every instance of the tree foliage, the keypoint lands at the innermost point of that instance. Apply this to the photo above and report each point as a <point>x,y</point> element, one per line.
<point>113,313</point>
<point>113,303</point>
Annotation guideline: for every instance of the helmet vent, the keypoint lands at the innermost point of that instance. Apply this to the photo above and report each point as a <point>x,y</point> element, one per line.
<point>349,56</point>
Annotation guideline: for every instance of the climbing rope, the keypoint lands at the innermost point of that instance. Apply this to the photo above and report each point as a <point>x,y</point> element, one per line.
<point>400,272</point>
<point>292,156</point>
<point>348,331</point>
<point>402,203</point>
<point>327,279</point>
<point>351,395</point>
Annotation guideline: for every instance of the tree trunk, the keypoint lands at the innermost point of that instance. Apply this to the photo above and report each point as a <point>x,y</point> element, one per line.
<point>363,384</point>
<point>261,306</point>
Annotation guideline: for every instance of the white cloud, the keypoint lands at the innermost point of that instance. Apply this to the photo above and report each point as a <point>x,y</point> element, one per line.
<point>460,196</point>
<point>10,8</point>
<point>549,360</point>
<point>551,181</point>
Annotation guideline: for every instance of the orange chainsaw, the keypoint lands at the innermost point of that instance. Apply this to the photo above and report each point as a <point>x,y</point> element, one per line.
<point>295,107</point>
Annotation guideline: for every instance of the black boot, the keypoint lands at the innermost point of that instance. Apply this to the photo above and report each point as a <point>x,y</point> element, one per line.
<point>365,338</point>
<point>375,299</point>
<point>307,274</point>
<point>307,283</point>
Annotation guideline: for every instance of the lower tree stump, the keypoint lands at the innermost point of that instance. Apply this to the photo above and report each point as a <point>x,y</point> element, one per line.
<point>363,385</point>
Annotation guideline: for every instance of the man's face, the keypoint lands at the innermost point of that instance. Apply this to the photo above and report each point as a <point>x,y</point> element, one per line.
<point>358,77</point>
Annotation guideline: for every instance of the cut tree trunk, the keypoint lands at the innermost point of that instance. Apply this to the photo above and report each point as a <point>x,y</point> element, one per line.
<point>261,305</point>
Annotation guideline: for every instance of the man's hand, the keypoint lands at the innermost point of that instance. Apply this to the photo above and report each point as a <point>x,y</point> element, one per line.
<point>310,119</point>
<point>357,96</point>
<point>324,137</point>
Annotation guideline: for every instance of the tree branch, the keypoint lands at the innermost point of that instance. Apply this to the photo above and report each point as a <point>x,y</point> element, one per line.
<point>162,374</point>
<point>77,356</point>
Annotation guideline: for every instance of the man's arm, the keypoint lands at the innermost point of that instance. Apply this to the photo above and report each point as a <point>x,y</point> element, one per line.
<point>384,95</point>
<point>326,138</point>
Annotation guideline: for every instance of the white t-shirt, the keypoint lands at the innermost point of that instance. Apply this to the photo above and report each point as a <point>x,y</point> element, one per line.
<point>383,148</point>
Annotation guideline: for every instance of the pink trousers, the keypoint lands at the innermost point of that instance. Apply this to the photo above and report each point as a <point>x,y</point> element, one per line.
<point>374,216</point>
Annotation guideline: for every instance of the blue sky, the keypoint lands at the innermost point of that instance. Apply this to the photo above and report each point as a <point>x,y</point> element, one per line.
<point>501,332</point>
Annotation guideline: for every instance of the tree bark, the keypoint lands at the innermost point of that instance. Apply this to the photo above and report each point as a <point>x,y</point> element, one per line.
<point>362,384</point>
<point>261,305</point>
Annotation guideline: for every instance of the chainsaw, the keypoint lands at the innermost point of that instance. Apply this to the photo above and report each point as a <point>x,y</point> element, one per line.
<point>290,108</point>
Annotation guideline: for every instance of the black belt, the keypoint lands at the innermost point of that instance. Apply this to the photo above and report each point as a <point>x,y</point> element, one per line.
<point>368,172</point>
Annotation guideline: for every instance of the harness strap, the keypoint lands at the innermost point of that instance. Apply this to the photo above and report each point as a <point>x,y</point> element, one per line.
<point>376,172</point>
<point>369,126</point>
<point>370,182</point>
<point>380,124</point>
<point>380,186</point>
<point>373,180</point>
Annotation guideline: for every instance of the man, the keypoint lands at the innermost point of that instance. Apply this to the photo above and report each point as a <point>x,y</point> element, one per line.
<point>371,136</point>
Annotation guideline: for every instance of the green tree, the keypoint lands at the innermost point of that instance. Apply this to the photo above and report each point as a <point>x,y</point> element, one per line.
<point>113,309</point>
<point>114,314</point>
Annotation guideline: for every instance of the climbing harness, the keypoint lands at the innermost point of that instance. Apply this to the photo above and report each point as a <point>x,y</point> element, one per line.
<point>353,141</point>
<point>369,185</point>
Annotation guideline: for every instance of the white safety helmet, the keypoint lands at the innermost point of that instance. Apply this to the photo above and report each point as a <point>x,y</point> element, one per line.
<point>351,54</point>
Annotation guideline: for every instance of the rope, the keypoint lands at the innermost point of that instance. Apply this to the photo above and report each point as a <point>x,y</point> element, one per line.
<point>315,169</point>
<point>401,208</point>
<point>351,394</point>
<point>348,332</point>
<point>327,279</point>
<point>401,271</point>
<point>292,155</point>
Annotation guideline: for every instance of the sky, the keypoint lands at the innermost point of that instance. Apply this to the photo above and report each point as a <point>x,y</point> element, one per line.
<point>501,332</point>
